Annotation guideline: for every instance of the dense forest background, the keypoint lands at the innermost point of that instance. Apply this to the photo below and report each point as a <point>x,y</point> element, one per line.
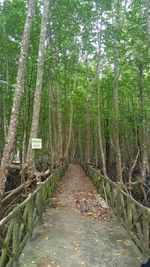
<point>76,74</point>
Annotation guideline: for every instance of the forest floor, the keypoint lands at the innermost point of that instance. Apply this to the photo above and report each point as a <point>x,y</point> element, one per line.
<point>78,229</point>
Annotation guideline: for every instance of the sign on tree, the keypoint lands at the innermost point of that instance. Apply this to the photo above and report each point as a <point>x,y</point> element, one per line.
<point>36,143</point>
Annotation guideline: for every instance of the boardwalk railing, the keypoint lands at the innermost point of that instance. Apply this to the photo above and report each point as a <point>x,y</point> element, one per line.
<point>18,226</point>
<point>134,216</point>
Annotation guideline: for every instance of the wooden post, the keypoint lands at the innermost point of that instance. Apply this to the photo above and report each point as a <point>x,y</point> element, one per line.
<point>6,244</point>
<point>146,232</point>
<point>15,243</point>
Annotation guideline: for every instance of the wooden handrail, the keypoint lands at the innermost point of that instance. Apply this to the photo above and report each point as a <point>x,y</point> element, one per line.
<point>121,190</point>
<point>18,225</point>
<point>134,216</point>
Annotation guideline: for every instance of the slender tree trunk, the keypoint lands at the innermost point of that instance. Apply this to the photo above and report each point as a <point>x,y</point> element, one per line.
<point>55,130</point>
<point>24,147</point>
<point>38,89</point>
<point>50,125</point>
<point>70,126</point>
<point>88,117</point>
<point>73,144</point>
<point>66,155</point>
<point>148,23</point>
<point>59,124</point>
<point>2,119</point>
<point>100,138</point>
<point>9,145</point>
<point>107,144</point>
<point>96,144</point>
<point>116,104</point>
<point>65,104</point>
<point>100,133</point>
<point>88,132</point>
<point>142,126</point>
<point>116,121</point>
<point>6,67</point>
<point>80,145</point>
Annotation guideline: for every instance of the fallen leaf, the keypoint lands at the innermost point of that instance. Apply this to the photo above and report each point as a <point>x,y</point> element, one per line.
<point>127,243</point>
<point>119,241</point>
<point>118,254</point>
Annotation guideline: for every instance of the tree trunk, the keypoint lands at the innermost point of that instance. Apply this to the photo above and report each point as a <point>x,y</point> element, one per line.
<point>116,105</point>
<point>59,124</point>
<point>9,145</point>
<point>148,24</point>
<point>142,126</point>
<point>55,130</point>
<point>80,144</point>
<point>2,119</point>
<point>88,139</point>
<point>116,122</point>
<point>65,104</point>
<point>70,126</point>
<point>88,117</point>
<point>107,144</point>
<point>100,138</point>
<point>100,133</point>
<point>50,125</point>
<point>38,89</point>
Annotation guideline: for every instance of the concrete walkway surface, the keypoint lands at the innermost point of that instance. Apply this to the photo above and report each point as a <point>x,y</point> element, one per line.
<point>69,238</point>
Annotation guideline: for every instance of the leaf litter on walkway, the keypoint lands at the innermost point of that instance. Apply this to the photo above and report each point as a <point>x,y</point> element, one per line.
<point>70,234</point>
<point>75,191</point>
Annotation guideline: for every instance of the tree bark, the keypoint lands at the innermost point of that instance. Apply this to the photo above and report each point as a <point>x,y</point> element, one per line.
<point>107,143</point>
<point>71,123</point>
<point>116,104</point>
<point>50,125</point>
<point>116,121</point>
<point>59,124</point>
<point>148,24</point>
<point>2,131</point>
<point>100,139</point>
<point>9,145</point>
<point>143,153</point>
<point>100,133</point>
<point>38,89</point>
<point>88,117</point>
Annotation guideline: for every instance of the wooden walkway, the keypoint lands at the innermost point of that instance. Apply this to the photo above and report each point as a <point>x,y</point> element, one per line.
<point>77,231</point>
